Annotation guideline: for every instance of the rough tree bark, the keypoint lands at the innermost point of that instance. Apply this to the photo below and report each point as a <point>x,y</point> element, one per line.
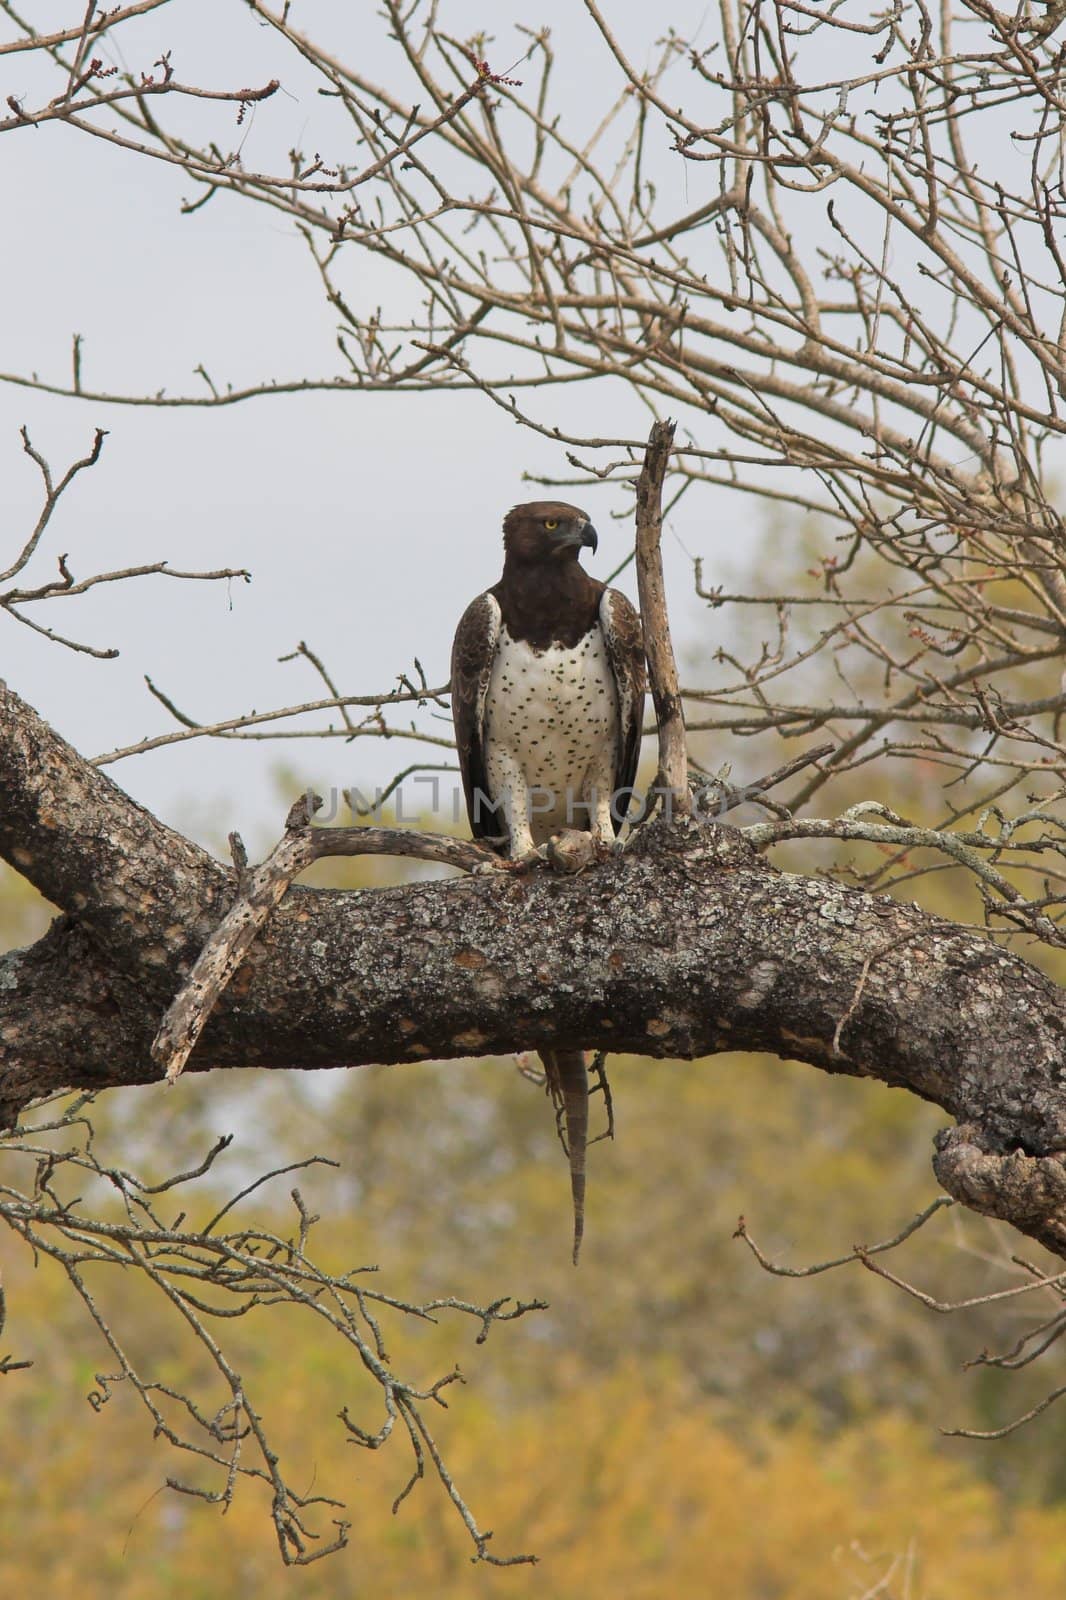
<point>688,945</point>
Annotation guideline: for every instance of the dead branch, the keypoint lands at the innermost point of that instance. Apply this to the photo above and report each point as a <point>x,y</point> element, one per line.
<point>1032,1282</point>
<point>65,586</point>
<point>662,668</point>
<point>300,846</point>
<point>239,727</point>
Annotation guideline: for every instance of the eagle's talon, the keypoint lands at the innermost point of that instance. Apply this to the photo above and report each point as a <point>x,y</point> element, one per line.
<point>571,851</point>
<point>534,857</point>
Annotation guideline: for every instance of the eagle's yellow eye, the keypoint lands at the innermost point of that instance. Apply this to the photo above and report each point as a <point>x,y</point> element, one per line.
<point>551,523</point>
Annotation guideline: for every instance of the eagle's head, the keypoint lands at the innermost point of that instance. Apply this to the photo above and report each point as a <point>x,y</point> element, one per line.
<point>547,530</point>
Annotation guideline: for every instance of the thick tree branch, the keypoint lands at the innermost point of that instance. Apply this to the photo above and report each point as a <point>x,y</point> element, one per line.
<point>142,892</point>
<point>687,945</point>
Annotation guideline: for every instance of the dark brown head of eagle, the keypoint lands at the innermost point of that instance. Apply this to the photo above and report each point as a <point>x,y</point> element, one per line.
<point>546,530</point>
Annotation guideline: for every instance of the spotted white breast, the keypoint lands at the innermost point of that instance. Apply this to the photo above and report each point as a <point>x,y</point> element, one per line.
<point>551,736</point>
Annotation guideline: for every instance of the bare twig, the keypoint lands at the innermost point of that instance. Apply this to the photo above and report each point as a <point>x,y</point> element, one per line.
<point>662,668</point>
<point>205,1278</point>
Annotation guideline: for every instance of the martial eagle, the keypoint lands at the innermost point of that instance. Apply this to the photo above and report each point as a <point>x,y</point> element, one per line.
<point>548,701</point>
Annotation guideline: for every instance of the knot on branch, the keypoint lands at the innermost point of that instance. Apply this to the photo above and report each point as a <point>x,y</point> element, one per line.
<point>1028,1191</point>
<point>714,843</point>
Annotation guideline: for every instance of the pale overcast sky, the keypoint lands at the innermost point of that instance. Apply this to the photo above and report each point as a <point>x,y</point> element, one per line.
<point>368,521</point>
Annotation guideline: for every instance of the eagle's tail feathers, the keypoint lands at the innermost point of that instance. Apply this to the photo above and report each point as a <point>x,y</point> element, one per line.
<point>568,1081</point>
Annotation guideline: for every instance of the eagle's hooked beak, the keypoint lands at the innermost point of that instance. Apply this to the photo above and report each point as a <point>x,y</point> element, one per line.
<point>573,535</point>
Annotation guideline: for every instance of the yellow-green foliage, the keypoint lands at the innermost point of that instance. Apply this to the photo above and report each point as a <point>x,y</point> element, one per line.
<point>676,1420</point>
<point>624,1481</point>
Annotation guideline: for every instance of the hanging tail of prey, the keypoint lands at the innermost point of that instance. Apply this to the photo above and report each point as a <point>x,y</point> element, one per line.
<point>569,1086</point>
